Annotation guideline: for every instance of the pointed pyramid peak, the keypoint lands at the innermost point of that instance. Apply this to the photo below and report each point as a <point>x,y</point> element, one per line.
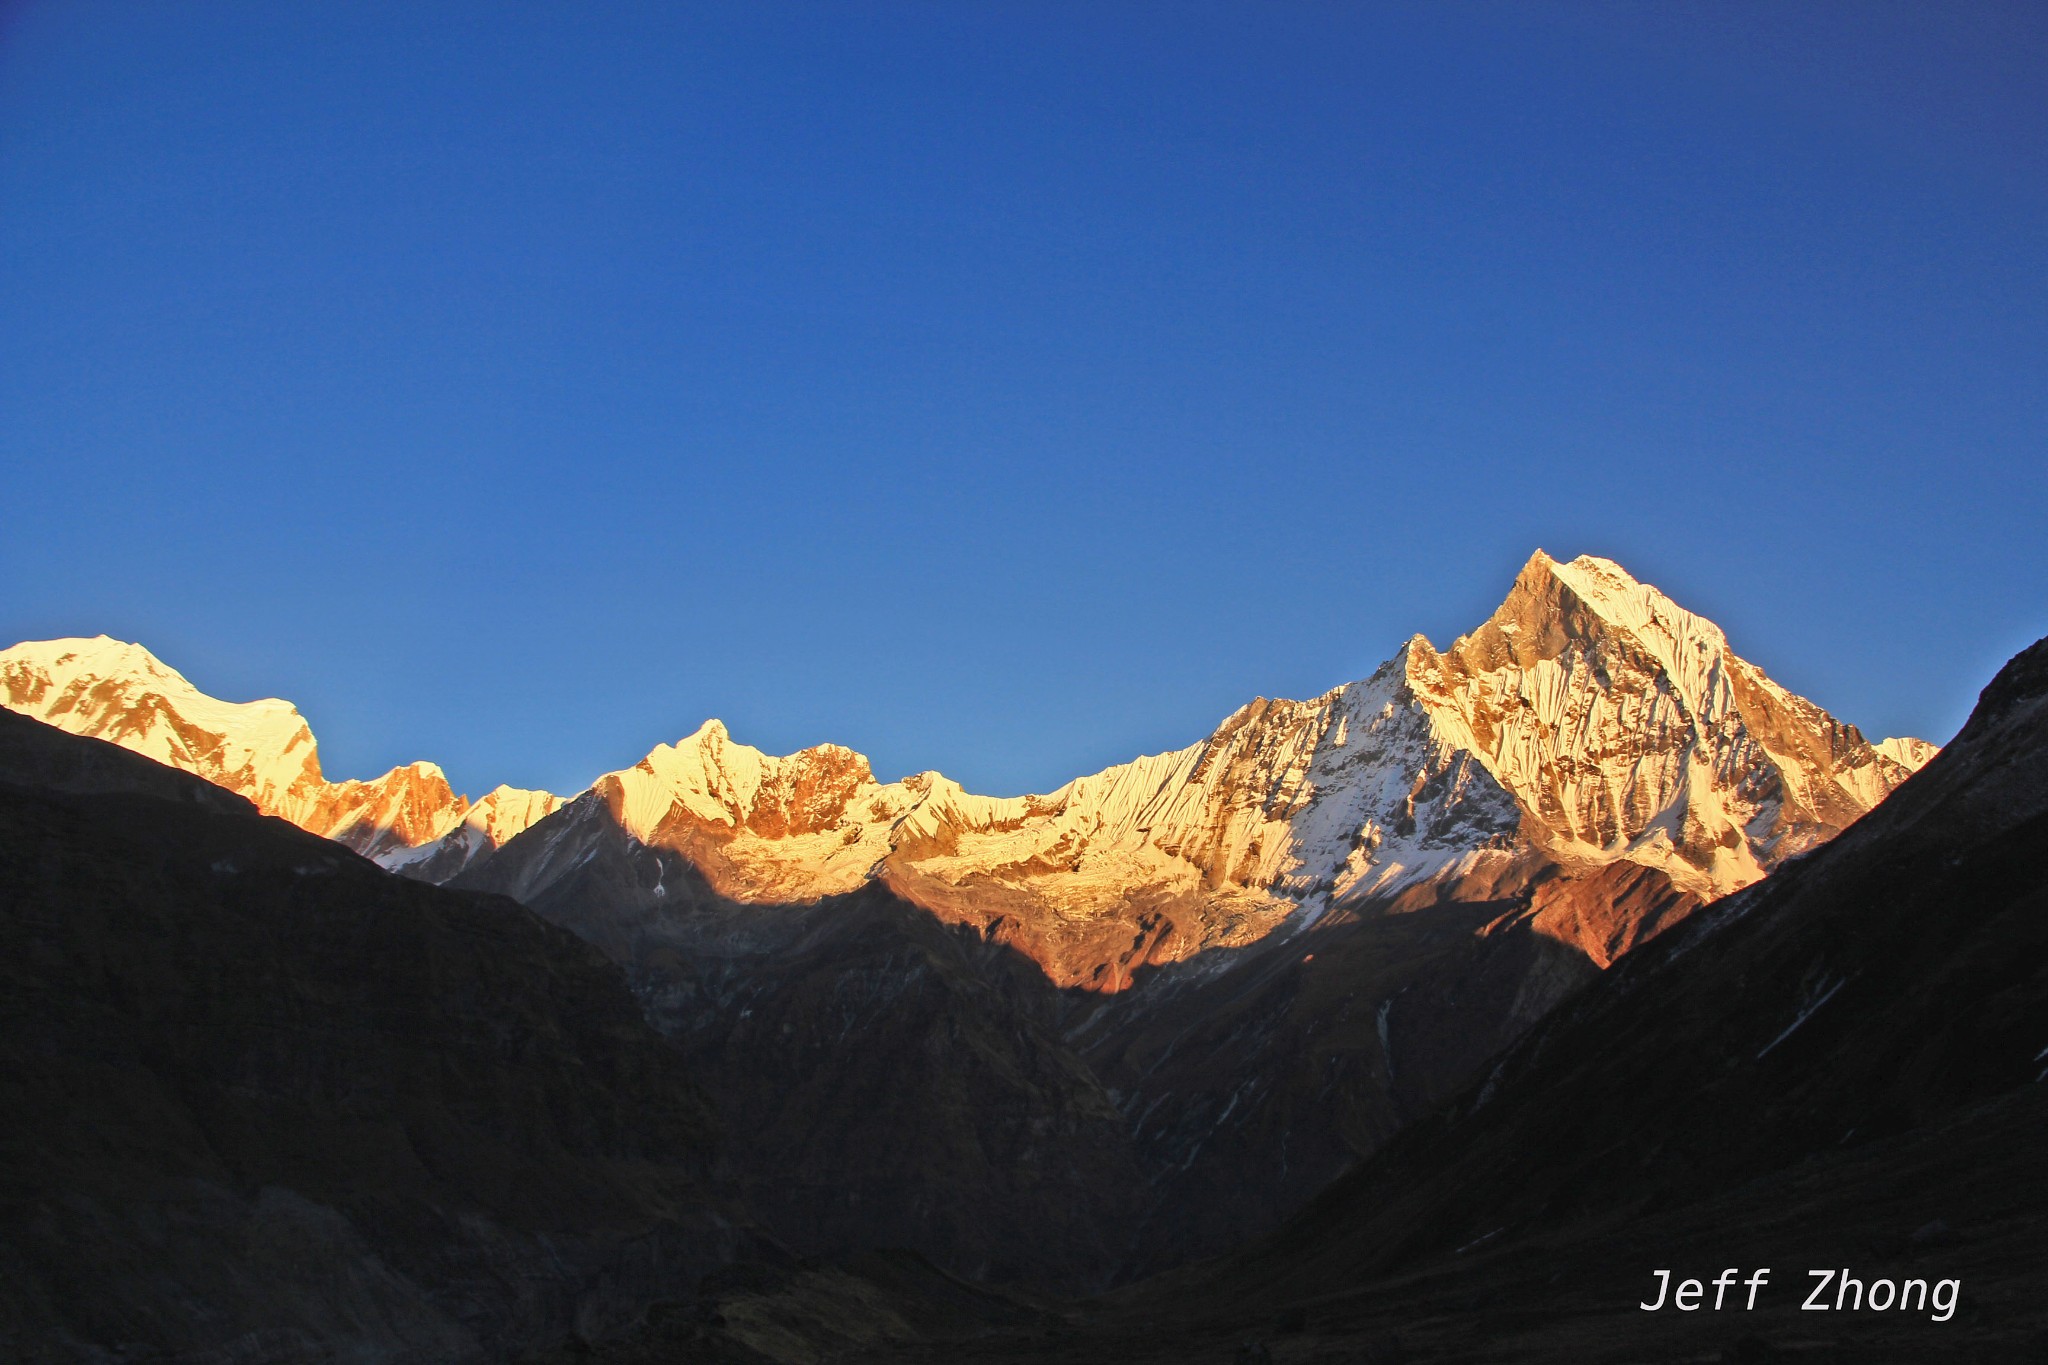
<point>1594,604</point>
<point>1416,649</point>
<point>711,730</point>
<point>1542,562</point>
<point>1538,579</point>
<point>1587,575</point>
<point>1603,587</point>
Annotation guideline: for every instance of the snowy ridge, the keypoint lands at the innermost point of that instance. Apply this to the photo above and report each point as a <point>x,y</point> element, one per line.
<point>264,750</point>
<point>1591,716</point>
<point>1589,722</point>
<point>1910,754</point>
<point>1298,798</point>
<point>487,825</point>
<point>121,692</point>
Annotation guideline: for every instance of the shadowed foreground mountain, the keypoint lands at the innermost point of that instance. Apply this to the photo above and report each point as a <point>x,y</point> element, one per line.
<point>262,1101</point>
<point>1839,1069</point>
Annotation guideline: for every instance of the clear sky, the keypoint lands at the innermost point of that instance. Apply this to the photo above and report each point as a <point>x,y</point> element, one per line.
<point>1005,388</point>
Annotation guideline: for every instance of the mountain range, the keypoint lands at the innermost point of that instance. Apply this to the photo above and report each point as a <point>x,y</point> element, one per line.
<point>1069,1039</point>
<point>1589,722</point>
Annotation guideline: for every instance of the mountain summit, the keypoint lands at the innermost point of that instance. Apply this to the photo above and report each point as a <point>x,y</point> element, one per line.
<point>1187,991</point>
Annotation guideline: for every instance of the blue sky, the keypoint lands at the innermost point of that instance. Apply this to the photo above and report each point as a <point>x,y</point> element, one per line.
<point>1007,389</point>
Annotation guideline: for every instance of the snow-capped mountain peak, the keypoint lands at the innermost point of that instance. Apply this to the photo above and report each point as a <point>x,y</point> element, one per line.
<point>264,750</point>
<point>121,692</point>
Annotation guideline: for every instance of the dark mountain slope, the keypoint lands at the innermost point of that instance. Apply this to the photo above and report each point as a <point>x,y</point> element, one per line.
<point>899,1082</point>
<point>1261,955</point>
<point>1250,1086</point>
<point>262,1101</point>
<point>1076,1037</point>
<point>1956,1198</point>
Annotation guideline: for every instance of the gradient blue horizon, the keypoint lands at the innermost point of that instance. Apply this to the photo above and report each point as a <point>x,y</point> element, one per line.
<point>1005,389</point>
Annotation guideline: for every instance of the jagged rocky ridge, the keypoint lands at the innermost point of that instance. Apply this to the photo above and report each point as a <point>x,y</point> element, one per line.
<point>1073,1037</point>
